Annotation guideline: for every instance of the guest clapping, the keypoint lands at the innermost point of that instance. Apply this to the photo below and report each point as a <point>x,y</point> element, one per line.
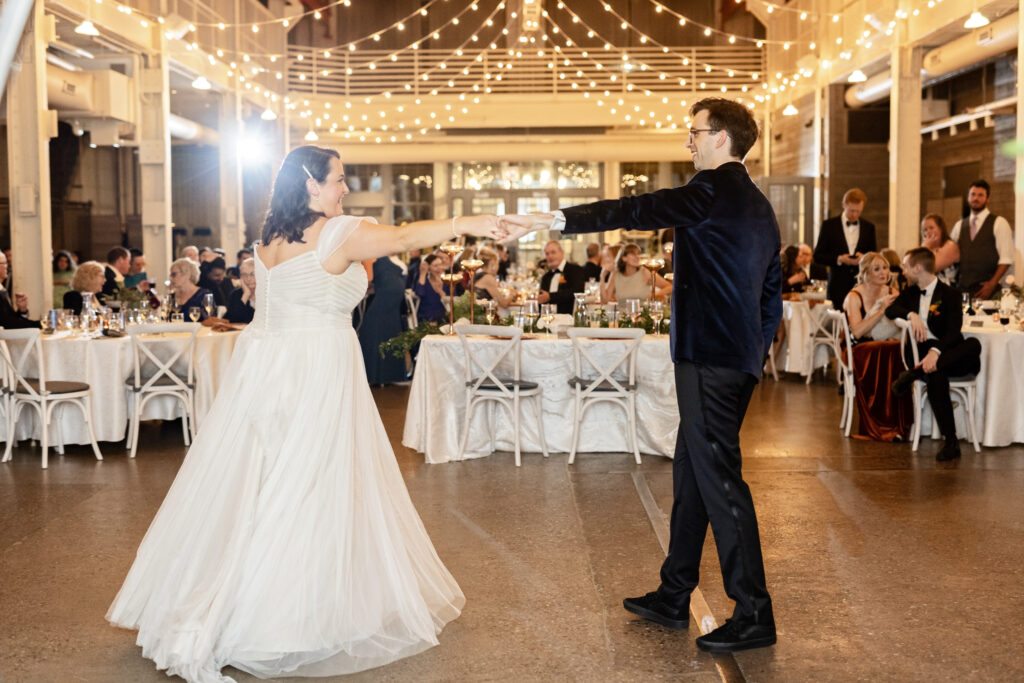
<point>89,278</point>
<point>562,280</point>
<point>630,281</point>
<point>188,294</point>
<point>935,236</point>
<point>242,302</point>
<point>430,288</point>
<point>866,303</point>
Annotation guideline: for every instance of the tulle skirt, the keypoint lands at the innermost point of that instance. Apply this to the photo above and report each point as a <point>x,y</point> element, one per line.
<point>287,544</point>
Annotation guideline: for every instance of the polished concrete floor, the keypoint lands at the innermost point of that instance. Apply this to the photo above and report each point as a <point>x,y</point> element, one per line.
<point>883,564</point>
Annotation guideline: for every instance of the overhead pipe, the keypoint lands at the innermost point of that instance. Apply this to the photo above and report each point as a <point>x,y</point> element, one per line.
<point>983,43</point>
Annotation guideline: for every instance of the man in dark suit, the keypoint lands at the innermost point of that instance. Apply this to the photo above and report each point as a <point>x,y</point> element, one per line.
<point>592,268</point>
<point>726,307</point>
<point>561,281</point>
<point>119,264</point>
<point>13,313</point>
<point>933,309</point>
<point>843,239</point>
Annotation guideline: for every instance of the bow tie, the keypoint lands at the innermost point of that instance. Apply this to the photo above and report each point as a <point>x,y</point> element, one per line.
<point>851,224</point>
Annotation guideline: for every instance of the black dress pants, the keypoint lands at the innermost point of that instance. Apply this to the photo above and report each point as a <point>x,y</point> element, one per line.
<point>709,487</point>
<point>959,361</point>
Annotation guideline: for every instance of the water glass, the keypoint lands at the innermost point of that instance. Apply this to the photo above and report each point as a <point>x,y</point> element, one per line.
<point>531,310</point>
<point>633,310</point>
<point>657,311</point>
<point>193,313</point>
<point>209,305</point>
<point>547,314</point>
<point>177,317</point>
<point>489,309</point>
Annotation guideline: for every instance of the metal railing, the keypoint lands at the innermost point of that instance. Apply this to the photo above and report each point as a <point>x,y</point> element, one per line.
<point>368,73</point>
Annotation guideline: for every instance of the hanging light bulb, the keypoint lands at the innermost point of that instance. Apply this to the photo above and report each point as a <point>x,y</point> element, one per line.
<point>976,20</point>
<point>790,110</point>
<point>86,28</point>
<point>857,77</point>
<point>311,136</point>
<point>268,115</point>
<point>201,83</point>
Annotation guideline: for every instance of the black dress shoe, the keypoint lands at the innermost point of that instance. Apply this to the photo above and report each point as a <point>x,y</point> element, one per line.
<point>653,608</point>
<point>950,451</point>
<point>904,382</point>
<point>735,635</point>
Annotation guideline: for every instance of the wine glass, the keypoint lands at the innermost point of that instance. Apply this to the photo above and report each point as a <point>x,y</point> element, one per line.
<point>489,309</point>
<point>209,305</point>
<point>531,310</point>
<point>633,310</point>
<point>977,304</point>
<point>547,314</point>
<point>177,317</point>
<point>657,313</point>
<point>193,313</point>
<point>966,303</point>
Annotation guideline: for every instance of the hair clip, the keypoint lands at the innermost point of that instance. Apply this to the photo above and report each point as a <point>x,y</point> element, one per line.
<point>308,173</point>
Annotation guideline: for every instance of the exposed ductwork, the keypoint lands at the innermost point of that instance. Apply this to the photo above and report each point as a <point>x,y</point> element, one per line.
<point>980,44</point>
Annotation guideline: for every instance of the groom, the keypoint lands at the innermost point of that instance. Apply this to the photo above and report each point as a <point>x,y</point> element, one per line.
<point>726,307</point>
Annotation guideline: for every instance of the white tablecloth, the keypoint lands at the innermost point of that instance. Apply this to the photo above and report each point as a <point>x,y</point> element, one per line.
<point>437,403</point>
<point>999,409</point>
<point>795,351</point>
<point>105,363</point>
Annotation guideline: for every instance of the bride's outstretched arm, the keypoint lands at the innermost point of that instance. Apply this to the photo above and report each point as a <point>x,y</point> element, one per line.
<point>371,241</point>
<point>519,225</point>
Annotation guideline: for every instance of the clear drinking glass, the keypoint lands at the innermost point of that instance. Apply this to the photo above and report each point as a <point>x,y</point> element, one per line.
<point>657,311</point>
<point>177,317</point>
<point>977,304</point>
<point>209,305</point>
<point>193,313</point>
<point>489,310</point>
<point>966,302</point>
<point>633,310</point>
<point>531,310</point>
<point>547,314</point>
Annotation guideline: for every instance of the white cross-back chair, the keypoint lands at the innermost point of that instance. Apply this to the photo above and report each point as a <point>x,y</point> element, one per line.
<point>594,378</point>
<point>412,304</point>
<point>770,363</point>
<point>845,359</point>
<point>964,388</point>
<point>823,333</point>
<point>154,376</point>
<point>40,393</point>
<point>488,385</point>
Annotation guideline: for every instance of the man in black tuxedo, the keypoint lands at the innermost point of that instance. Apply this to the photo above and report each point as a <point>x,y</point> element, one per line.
<point>933,309</point>
<point>13,313</point>
<point>843,239</point>
<point>726,307</point>
<point>119,263</point>
<point>562,280</point>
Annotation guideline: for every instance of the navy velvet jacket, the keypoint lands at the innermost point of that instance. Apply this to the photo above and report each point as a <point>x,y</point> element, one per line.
<point>727,286</point>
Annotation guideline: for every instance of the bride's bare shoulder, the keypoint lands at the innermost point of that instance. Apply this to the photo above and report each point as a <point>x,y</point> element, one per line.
<point>278,250</point>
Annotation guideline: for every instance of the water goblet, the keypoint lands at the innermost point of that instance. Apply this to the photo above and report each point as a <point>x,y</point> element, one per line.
<point>209,304</point>
<point>177,317</point>
<point>547,314</point>
<point>977,304</point>
<point>966,303</point>
<point>489,310</point>
<point>531,310</point>
<point>633,310</point>
<point>657,311</point>
<point>193,313</point>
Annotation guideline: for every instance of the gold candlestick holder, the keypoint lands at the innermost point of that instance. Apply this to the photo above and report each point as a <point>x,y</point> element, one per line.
<point>653,265</point>
<point>471,265</point>
<point>451,249</point>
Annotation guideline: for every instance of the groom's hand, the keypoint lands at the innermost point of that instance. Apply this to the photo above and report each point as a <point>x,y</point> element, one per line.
<point>519,225</point>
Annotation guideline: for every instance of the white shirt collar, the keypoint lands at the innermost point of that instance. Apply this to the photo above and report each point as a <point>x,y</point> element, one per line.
<point>929,291</point>
<point>981,215</point>
<point>560,266</point>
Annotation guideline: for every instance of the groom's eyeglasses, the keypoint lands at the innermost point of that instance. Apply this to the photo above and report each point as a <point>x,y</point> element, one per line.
<point>695,131</point>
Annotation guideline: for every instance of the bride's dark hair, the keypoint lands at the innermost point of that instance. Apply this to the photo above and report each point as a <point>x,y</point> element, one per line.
<point>289,213</point>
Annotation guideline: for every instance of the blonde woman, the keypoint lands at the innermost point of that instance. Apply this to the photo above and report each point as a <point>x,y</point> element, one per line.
<point>88,278</point>
<point>866,303</point>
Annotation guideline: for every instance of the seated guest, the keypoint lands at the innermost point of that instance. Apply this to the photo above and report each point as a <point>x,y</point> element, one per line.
<point>206,254</point>
<point>213,277</point>
<point>242,302</point>
<point>933,309</point>
<point>609,257</point>
<point>63,271</point>
<point>13,313</point>
<point>412,272</point>
<point>191,253</point>
<point>631,281</point>
<point>119,262</point>
<point>592,268</point>
<point>947,253</point>
<point>504,261</point>
<point>188,294</point>
<point>90,277</point>
<point>562,280</point>
<point>234,271</point>
<point>866,303</point>
<point>137,276</point>
<point>896,278</point>
<point>487,279</point>
<point>796,267</point>
<point>430,288</point>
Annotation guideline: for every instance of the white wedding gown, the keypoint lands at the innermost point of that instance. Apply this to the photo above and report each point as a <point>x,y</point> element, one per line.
<point>288,544</point>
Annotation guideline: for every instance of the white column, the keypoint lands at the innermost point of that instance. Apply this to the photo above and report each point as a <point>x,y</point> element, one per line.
<point>30,125</point>
<point>155,163</point>
<point>766,138</point>
<point>812,223</point>
<point>232,214</point>
<point>440,185</point>
<point>904,143</point>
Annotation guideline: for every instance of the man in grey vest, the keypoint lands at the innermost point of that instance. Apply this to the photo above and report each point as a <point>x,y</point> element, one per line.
<point>986,244</point>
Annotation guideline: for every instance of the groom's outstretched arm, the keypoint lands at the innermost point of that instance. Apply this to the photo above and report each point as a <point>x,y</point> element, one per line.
<point>678,207</point>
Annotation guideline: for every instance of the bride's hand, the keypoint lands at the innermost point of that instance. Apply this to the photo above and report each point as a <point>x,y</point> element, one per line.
<point>519,225</point>
<point>483,225</point>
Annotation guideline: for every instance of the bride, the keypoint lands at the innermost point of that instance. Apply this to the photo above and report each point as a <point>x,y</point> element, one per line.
<point>287,544</point>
